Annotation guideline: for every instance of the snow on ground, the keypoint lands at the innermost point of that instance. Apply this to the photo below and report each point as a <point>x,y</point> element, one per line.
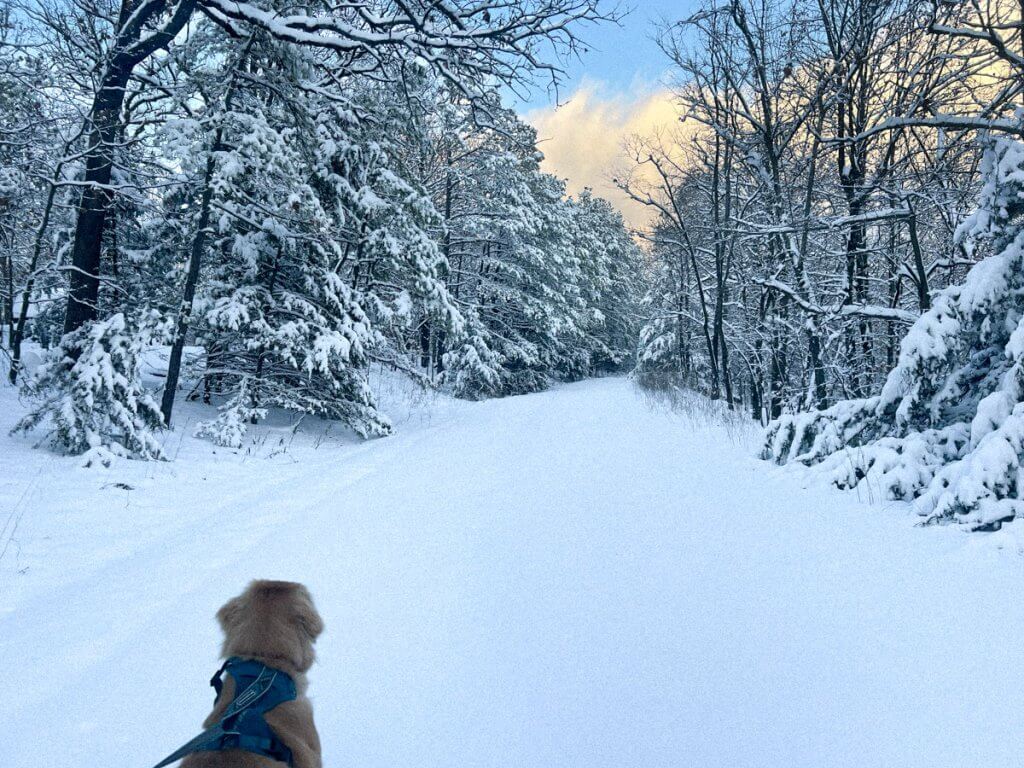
<point>573,578</point>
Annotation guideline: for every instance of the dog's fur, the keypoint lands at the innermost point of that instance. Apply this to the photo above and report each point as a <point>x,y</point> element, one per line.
<point>273,622</point>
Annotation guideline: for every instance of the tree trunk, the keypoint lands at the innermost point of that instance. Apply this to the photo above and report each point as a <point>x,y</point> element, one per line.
<point>818,389</point>
<point>8,311</point>
<point>254,396</point>
<point>425,345</point>
<point>105,125</point>
<point>83,295</point>
<point>18,333</point>
<point>188,296</point>
<point>924,301</point>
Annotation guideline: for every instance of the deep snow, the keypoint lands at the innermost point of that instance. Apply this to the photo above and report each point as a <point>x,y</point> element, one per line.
<point>573,578</point>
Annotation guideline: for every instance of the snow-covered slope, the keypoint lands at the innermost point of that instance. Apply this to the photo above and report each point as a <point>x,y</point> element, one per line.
<point>574,578</point>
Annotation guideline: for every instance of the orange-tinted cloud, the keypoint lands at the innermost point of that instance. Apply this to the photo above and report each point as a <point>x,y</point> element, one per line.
<point>582,140</point>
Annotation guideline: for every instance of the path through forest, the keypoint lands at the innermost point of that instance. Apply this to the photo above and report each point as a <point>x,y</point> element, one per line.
<point>573,578</point>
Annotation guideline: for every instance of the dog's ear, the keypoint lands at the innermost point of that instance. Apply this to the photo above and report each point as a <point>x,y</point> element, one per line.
<point>307,616</point>
<point>230,613</point>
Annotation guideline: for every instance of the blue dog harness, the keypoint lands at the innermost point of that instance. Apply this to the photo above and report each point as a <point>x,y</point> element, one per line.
<point>258,689</point>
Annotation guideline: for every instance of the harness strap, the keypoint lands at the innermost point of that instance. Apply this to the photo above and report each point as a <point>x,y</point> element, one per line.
<point>223,735</point>
<point>208,739</point>
<point>257,690</point>
<point>254,744</point>
<point>216,682</point>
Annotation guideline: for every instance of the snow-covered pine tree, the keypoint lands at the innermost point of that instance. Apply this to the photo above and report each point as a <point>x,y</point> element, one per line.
<point>276,318</point>
<point>948,425</point>
<point>520,275</point>
<point>508,238</point>
<point>612,280</point>
<point>527,277</point>
<point>668,354</point>
<point>399,232</point>
<point>89,391</point>
<point>323,249</point>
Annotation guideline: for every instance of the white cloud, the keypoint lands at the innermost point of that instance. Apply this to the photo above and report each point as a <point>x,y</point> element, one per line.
<point>582,140</point>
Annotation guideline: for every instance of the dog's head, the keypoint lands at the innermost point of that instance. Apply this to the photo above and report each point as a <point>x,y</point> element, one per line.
<point>272,620</point>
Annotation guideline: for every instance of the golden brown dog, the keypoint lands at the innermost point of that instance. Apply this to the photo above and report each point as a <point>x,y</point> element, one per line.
<point>275,623</point>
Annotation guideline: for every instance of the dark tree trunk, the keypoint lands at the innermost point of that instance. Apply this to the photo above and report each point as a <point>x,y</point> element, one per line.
<point>84,290</point>
<point>425,345</point>
<point>820,393</point>
<point>8,312</point>
<point>856,291</point>
<point>105,125</point>
<point>188,296</point>
<point>924,300</point>
<point>254,396</point>
<point>18,332</point>
<point>756,408</point>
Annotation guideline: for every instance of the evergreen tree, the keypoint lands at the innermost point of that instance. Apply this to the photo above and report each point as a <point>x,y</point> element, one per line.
<point>322,247</point>
<point>948,425</point>
<point>296,226</point>
<point>613,280</point>
<point>89,392</point>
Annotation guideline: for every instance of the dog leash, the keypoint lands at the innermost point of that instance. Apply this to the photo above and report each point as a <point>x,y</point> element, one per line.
<point>213,737</point>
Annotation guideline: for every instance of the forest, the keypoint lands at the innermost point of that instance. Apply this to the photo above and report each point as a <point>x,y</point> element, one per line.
<point>281,198</point>
<point>837,234</point>
<point>712,461</point>
<point>295,197</point>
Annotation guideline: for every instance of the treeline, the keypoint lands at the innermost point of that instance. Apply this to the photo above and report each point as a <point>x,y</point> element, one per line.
<point>806,205</point>
<point>841,240</point>
<point>296,196</point>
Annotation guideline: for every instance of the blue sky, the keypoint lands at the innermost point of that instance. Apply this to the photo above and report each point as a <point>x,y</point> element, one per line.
<point>620,58</point>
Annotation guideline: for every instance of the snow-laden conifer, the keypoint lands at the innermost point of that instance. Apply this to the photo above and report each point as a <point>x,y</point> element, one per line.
<point>947,427</point>
<point>89,395</point>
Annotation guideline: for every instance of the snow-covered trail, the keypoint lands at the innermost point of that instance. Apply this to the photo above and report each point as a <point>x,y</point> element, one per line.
<point>572,578</point>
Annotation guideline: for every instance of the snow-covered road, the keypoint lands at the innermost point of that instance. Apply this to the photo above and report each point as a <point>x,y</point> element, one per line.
<point>573,578</point>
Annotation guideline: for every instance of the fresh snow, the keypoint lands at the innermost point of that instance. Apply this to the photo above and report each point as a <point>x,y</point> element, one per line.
<point>579,577</point>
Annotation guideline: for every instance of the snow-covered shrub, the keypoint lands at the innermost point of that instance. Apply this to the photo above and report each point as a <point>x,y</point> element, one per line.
<point>89,391</point>
<point>229,428</point>
<point>948,425</point>
<point>471,367</point>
